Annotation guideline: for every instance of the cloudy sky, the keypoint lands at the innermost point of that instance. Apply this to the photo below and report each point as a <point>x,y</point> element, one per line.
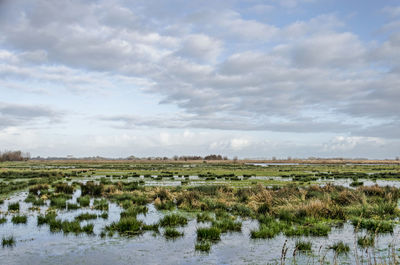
<point>251,78</point>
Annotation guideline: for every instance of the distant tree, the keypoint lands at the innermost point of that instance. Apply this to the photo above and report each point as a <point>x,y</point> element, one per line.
<point>235,159</point>
<point>273,158</point>
<point>14,156</point>
<point>397,158</point>
<point>213,157</point>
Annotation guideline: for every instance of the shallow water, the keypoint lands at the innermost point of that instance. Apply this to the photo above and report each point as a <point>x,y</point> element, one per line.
<point>36,245</point>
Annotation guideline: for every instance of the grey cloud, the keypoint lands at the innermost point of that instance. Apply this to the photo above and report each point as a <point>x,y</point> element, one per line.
<point>224,123</point>
<point>264,74</point>
<point>21,115</point>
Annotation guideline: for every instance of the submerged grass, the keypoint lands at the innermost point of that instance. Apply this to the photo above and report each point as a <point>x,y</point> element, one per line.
<point>19,219</point>
<point>172,233</point>
<point>173,220</point>
<point>211,234</point>
<point>13,206</point>
<point>340,247</point>
<point>8,241</point>
<point>85,216</point>
<point>203,246</point>
<point>204,217</point>
<point>304,246</point>
<point>84,201</point>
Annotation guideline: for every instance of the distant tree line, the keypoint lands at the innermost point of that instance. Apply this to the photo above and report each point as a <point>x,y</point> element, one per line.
<point>13,156</point>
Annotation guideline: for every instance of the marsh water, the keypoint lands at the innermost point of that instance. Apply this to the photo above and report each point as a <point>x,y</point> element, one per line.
<point>37,245</point>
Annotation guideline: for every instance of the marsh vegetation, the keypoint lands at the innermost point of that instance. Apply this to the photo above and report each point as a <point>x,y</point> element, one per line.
<point>262,206</point>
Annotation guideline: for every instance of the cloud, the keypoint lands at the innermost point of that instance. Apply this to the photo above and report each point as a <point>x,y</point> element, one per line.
<point>22,115</point>
<point>393,11</point>
<point>216,66</point>
<point>201,47</point>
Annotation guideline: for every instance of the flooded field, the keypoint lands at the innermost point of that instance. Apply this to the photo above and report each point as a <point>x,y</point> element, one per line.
<point>222,215</point>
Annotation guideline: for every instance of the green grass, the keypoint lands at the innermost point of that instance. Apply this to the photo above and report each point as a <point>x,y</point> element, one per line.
<point>104,215</point>
<point>3,220</point>
<point>71,227</point>
<point>303,246</point>
<point>211,234</point>
<point>265,232</point>
<point>72,206</point>
<point>173,220</point>
<point>126,226</point>
<point>203,246</point>
<point>8,241</point>
<point>316,229</point>
<point>13,206</point>
<point>58,202</point>
<point>85,216</point>
<point>172,233</point>
<point>204,217</point>
<point>340,247</point>
<point>88,229</point>
<point>366,241</point>
<point>227,225</point>
<point>373,225</point>
<point>41,220</point>
<point>101,205</point>
<point>19,219</point>
<point>84,201</point>
<point>134,210</point>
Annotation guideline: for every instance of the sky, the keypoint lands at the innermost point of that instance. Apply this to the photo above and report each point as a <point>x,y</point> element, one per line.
<point>253,79</point>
